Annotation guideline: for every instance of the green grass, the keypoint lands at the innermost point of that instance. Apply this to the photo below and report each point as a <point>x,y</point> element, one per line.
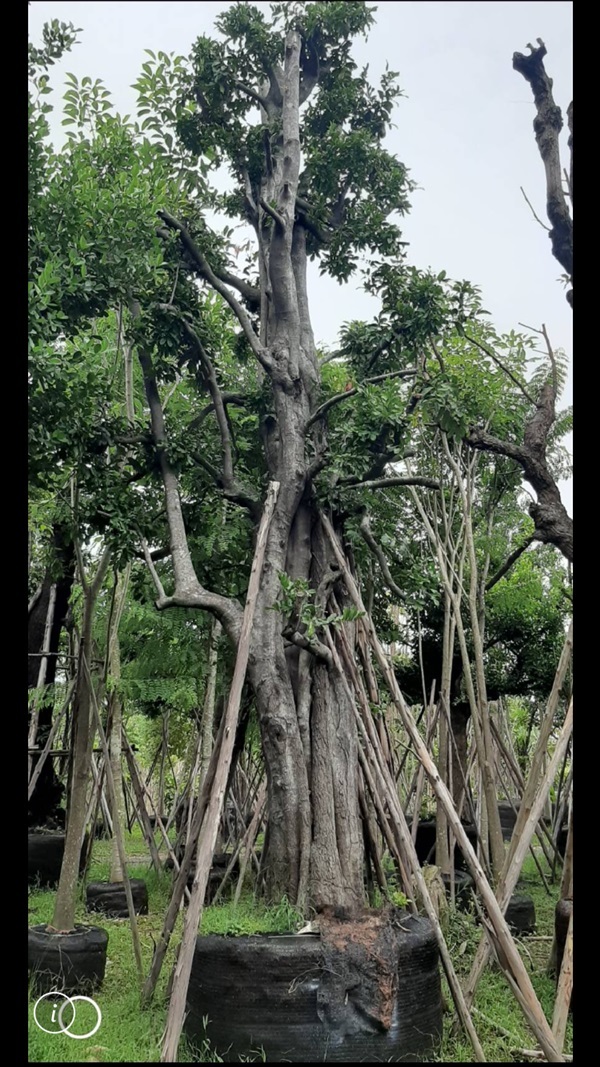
<point>128,1034</point>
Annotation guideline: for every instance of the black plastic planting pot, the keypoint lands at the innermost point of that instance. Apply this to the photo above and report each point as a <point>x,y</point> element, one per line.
<point>44,858</point>
<point>425,843</point>
<point>508,818</point>
<point>69,963</point>
<point>264,993</point>
<point>520,914</point>
<point>109,898</point>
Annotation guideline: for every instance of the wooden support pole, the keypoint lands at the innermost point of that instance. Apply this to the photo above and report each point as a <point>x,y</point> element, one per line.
<point>506,949</point>
<point>210,825</point>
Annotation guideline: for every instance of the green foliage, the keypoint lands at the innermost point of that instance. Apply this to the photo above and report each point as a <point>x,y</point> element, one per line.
<point>298,599</point>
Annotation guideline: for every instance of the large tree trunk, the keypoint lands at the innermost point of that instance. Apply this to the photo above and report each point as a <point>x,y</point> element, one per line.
<point>47,795</point>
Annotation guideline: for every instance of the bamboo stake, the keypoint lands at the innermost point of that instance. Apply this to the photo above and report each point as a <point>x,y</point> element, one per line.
<point>251,837</point>
<point>511,962</point>
<point>407,848</point>
<point>117,830</point>
<point>510,876</point>
<point>37,770</point>
<point>564,988</point>
<point>142,814</point>
<point>208,833</point>
<point>35,714</point>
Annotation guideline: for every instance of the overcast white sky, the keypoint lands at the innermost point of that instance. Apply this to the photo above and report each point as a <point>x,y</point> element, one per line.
<point>464,129</point>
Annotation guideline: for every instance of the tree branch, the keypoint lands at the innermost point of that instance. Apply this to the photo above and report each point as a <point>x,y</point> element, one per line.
<point>500,363</point>
<point>227,481</point>
<point>508,563</point>
<point>258,99</point>
<point>531,207</point>
<point>376,549</point>
<point>313,645</point>
<point>188,590</point>
<point>279,221</point>
<point>401,479</point>
<point>339,397</point>
<point>212,279</point>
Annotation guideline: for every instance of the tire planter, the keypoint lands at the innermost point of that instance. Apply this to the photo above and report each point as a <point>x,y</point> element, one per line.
<point>425,843</point>
<point>264,992</point>
<point>44,858</point>
<point>69,963</point>
<point>462,888</point>
<point>508,818</point>
<point>562,915</point>
<point>109,898</point>
<point>520,914</point>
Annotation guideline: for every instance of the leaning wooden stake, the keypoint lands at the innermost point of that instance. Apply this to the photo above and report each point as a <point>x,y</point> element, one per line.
<point>210,825</point>
<point>506,949</point>
<point>564,989</point>
<point>508,881</point>
<point>406,847</point>
<point>117,831</point>
<point>532,803</point>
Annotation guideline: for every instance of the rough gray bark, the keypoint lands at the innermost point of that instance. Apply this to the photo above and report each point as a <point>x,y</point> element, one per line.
<point>547,125</point>
<point>553,525</point>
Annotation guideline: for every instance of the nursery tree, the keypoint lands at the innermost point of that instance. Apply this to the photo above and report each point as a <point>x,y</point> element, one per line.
<point>282,103</point>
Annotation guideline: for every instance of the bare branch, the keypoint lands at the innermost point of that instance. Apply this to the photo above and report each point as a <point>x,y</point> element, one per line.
<point>536,217</point>
<point>188,590</point>
<point>379,554</point>
<point>227,481</point>
<point>400,479</point>
<point>500,363</point>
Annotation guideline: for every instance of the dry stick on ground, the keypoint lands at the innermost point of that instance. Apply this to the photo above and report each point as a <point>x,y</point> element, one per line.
<point>385,783</point>
<point>511,962</point>
<point>516,856</point>
<point>564,988</point>
<point>117,831</point>
<point>210,825</point>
